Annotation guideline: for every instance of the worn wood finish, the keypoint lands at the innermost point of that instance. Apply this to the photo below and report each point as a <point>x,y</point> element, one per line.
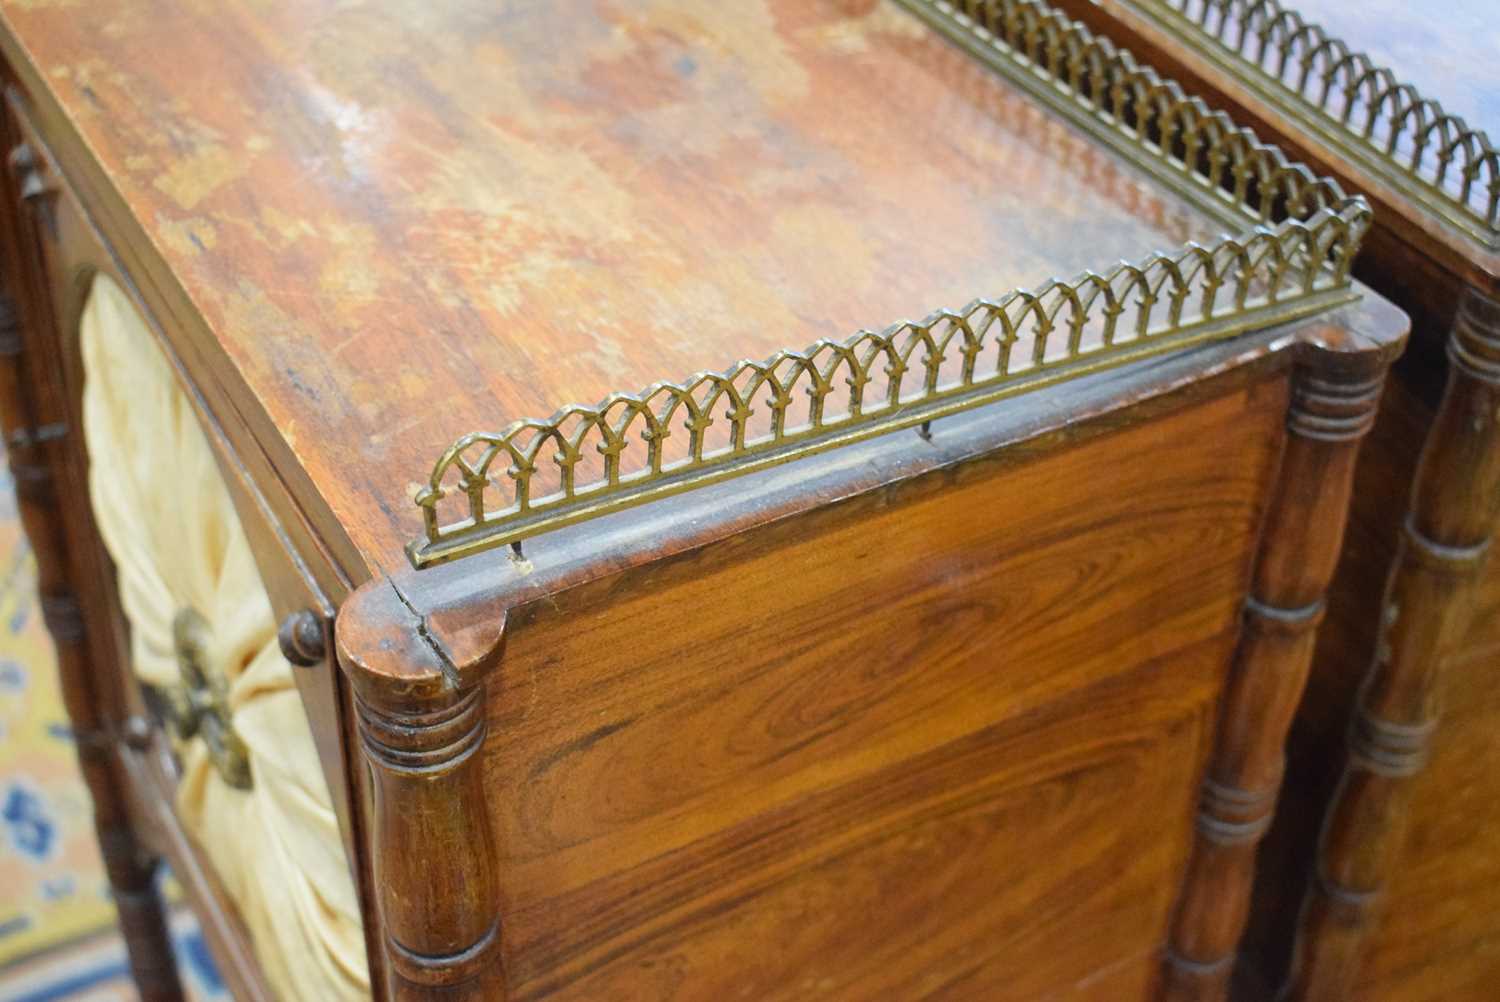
<point>926,716</point>
<point>477,212</point>
<point>1427,608</point>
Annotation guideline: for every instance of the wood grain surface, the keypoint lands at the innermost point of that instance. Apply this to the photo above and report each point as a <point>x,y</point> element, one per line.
<point>941,741</point>
<point>402,222</point>
<point>935,738</point>
<point>1335,391</point>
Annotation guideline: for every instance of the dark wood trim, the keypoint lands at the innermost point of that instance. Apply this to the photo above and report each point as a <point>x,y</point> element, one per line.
<point>36,461</point>
<point>1335,391</point>
<point>419,685</point>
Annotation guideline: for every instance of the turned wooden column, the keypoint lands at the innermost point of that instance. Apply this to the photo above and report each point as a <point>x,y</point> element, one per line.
<point>1455,504</point>
<point>130,868</point>
<point>420,698</point>
<point>1335,390</point>
<point>33,412</point>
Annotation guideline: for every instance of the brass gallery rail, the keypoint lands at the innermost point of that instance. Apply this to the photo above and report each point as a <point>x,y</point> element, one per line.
<point>1356,105</point>
<point>1299,236</point>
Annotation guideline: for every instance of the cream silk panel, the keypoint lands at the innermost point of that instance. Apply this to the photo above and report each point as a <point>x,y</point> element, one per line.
<point>166,518</point>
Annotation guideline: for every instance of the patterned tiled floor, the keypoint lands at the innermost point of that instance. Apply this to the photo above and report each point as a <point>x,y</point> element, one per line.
<point>57,938</point>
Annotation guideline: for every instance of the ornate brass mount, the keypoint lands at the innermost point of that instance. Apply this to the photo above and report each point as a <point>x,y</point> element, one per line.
<point>200,708</point>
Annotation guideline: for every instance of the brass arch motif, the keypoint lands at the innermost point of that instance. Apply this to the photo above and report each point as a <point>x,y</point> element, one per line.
<point>796,403</point>
<point>1357,105</point>
<point>1299,236</point>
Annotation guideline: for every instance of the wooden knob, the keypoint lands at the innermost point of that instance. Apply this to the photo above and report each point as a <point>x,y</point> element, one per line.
<point>301,638</point>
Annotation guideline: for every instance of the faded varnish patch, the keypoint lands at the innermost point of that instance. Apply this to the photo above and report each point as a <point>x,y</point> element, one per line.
<point>407,221</point>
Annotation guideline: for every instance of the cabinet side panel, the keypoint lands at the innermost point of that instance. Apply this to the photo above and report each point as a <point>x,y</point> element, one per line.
<point>939,740</point>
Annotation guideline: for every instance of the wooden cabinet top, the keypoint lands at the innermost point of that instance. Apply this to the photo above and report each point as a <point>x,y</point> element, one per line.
<point>387,224</point>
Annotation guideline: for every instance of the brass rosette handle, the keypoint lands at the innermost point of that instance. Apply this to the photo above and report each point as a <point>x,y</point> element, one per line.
<point>200,706</point>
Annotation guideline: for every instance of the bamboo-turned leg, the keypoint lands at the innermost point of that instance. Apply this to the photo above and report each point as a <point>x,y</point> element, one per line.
<point>130,870</point>
<point>1455,504</point>
<point>1335,391</point>
<point>420,696</point>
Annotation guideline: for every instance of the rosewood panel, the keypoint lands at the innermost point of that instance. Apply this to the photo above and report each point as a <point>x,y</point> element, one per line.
<point>898,747</point>
<point>1433,930</point>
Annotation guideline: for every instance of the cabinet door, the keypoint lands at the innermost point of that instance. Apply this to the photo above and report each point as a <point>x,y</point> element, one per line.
<point>194,576</point>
